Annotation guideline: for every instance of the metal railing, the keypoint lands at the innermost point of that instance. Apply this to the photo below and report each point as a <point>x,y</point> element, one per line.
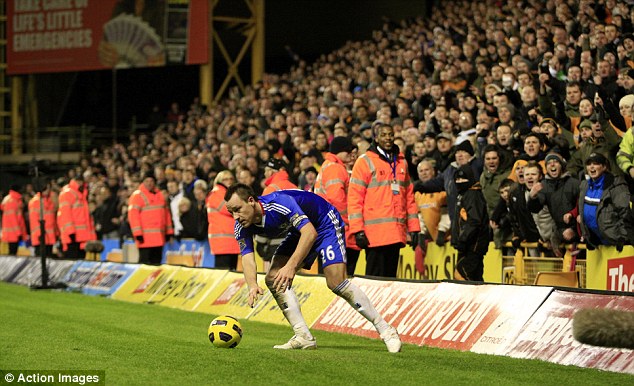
<point>522,268</point>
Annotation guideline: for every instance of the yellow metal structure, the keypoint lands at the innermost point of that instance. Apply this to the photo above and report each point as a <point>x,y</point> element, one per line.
<point>250,23</point>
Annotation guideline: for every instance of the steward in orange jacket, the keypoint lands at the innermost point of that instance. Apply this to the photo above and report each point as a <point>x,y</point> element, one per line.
<point>222,241</point>
<point>150,220</point>
<point>13,225</point>
<point>73,219</point>
<point>381,205</point>
<point>50,224</point>
<point>332,184</point>
<point>276,179</point>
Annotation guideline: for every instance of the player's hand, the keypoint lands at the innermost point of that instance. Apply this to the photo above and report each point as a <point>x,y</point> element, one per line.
<point>283,278</point>
<point>254,293</point>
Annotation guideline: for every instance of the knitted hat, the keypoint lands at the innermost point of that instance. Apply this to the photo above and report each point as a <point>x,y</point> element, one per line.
<point>585,123</point>
<point>148,174</point>
<point>557,157</point>
<point>341,144</point>
<point>465,146</point>
<point>276,163</point>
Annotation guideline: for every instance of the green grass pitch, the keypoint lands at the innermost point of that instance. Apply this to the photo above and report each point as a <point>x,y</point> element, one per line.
<point>138,344</point>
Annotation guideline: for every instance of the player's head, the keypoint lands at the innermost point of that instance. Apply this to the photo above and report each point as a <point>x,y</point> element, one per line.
<point>242,203</point>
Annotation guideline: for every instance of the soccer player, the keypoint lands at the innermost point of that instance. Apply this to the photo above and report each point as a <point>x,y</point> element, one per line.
<point>314,228</point>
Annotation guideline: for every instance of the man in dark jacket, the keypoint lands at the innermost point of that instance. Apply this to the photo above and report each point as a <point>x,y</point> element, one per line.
<point>464,155</point>
<point>470,228</point>
<point>604,206</point>
<point>559,192</point>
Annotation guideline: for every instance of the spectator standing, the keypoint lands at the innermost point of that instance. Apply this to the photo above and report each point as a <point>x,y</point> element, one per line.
<point>174,196</point>
<point>13,223</point>
<point>470,228</point>
<point>277,177</point>
<point>194,220</point>
<point>496,169</point>
<point>381,205</point>
<point>432,208</point>
<point>560,193</point>
<point>74,220</point>
<point>604,206</point>
<point>150,220</point>
<point>332,184</point>
<point>625,156</point>
<point>464,155</point>
<point>49,210</point>
<point>106,215</point>
<point>222,242</point>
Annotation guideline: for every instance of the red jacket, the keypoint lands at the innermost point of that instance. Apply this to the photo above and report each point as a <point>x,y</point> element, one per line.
<point>50,224</point>
<point>332,184</point>
<point>13,225</point>
<point>221,223</point>
<point>373,207</point>
<point>73,215</point>
<point>150,217</point>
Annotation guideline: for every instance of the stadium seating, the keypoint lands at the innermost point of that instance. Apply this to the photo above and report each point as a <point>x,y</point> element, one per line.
<point>558,279</point>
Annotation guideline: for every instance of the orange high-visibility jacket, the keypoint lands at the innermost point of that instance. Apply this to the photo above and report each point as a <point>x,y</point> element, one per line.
<point>278,181</point>
<point>50,221</point>
<point>73,215</point>
<point>221,223</point>
<point>373,207</point>
<point>13,225</point>
<point>332,185</point>
<point>150,217</point>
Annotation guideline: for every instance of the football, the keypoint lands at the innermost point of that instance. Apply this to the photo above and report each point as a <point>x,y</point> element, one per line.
<point>225,332</point>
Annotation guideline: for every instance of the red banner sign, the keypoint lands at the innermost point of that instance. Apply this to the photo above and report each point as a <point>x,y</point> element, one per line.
<point>77,35</point>
<point>621,274</point>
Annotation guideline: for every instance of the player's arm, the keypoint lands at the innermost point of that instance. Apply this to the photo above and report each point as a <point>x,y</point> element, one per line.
<point>284,277</point>
<point>249,267</point>
<point>250,272</point>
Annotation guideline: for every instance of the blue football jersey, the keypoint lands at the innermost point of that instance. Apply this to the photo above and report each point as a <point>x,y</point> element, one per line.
<point>290,210</point>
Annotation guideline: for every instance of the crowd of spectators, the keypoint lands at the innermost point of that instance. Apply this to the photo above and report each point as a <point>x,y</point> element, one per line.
<point>533,95</point>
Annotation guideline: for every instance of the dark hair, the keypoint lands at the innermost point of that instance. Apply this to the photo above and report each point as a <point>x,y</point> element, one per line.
<point>243,191</point>
<point>378,125</point>
<point>506,183</point>
<point>490,148</point>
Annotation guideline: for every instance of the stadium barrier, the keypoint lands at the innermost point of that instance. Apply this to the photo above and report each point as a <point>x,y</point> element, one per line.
<point>604,268</point>
<point>482,318</point>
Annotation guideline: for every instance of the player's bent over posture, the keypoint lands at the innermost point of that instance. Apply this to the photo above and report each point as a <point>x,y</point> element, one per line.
<point>314,228</point>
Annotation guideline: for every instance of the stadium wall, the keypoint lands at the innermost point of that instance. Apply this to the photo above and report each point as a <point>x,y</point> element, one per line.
<point>519,321</point>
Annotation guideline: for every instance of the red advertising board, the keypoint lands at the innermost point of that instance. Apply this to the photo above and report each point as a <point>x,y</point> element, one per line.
<point>443,315</point>
<point>77,35</point>
<point>621,274</point>
<point>548,333</point>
